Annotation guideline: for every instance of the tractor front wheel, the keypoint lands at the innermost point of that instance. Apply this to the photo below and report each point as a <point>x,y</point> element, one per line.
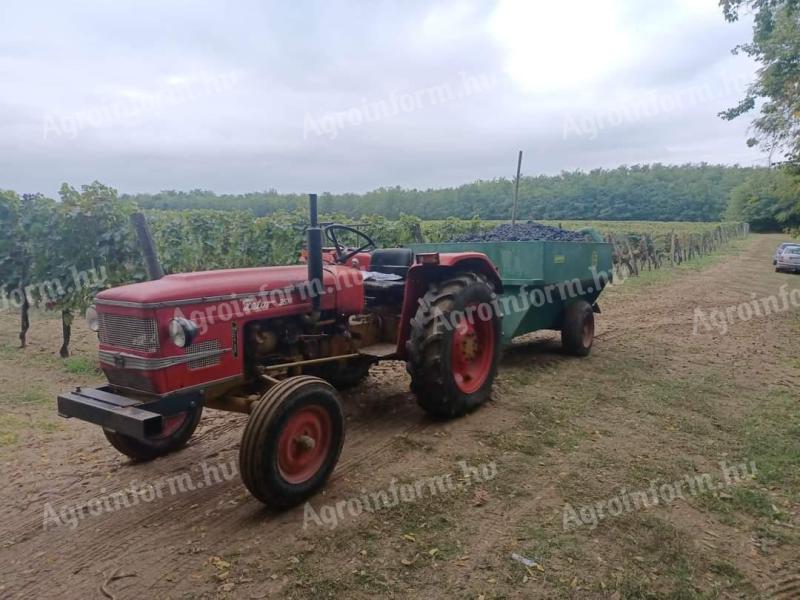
<point>577,328</point>
<point>292,441</point>
<point>176,431</point>
<point>454,347</point>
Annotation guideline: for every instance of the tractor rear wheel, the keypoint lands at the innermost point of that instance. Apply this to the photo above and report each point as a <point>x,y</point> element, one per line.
<point>577,328</point>
<point>454,346</point>
<point>176,431</point>
<point>292,441</point>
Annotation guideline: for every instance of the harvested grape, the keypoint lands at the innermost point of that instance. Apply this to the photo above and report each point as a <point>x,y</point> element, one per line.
<point>522,232</point>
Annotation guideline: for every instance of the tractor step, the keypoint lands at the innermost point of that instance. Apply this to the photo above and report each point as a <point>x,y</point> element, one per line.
<point>382,350</point>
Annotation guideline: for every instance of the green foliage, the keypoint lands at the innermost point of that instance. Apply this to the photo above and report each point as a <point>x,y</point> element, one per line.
<point>208,239</point>
<point>776,47</point>
<point>645,193</point>
<point>9,241</point>
<point>85,245</point>
<point>769,201</point>
<point>62,253</point>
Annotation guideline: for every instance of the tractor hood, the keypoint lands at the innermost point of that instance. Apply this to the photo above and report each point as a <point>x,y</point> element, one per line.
<point>207,286</point>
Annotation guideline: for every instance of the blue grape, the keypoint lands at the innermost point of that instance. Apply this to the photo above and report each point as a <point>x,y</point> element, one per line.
<point>522,232</point>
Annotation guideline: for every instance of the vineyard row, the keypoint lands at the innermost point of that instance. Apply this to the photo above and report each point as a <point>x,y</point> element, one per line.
<point>53,252</point>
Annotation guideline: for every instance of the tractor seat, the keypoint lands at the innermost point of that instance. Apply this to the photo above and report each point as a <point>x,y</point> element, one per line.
<point>394,261</point>
<point>391,261</point>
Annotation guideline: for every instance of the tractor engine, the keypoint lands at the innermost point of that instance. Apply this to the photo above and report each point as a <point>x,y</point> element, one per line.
<point>216,329</point>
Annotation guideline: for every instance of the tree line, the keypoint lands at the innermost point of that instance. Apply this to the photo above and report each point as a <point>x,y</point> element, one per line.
<point>638,193</point>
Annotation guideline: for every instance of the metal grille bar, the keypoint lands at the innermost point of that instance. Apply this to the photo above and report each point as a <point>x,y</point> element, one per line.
<point>204,361</point>
<point>133,333</point>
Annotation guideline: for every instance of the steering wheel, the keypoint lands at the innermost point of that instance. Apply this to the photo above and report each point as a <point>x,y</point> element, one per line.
<point>344,253</point>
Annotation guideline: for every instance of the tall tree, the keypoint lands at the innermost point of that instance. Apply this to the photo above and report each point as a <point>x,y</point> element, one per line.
<point>767,201</point>
<point>776,47</point>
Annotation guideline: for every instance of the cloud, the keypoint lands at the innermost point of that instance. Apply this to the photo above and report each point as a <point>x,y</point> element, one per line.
<point>156,95</point>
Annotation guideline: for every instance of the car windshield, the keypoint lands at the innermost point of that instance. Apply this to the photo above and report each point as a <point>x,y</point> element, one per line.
<point>792,250</point>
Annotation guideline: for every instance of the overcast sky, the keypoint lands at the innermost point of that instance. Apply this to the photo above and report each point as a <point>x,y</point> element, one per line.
<point>300,96</point>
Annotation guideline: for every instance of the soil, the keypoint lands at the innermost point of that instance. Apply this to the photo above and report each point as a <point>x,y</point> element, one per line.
<point>654,402</point>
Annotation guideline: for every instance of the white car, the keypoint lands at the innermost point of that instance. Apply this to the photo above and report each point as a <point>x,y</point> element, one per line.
<point>789,260</point>
<point>780,249</point>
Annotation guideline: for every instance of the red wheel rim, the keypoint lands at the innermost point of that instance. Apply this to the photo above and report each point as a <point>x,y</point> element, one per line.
<point>171,424</point>
<point>472,351</point>
<point>304,443</point>
<point>588,331</point>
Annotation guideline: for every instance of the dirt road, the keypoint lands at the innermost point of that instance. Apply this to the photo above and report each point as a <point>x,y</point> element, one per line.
<point>665,401</point>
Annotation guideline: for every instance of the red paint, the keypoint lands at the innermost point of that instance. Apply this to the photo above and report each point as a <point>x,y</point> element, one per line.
<point>219,300</point>
<point>419,277</point>
<point>472,351</point>
<point>172,424</point>
<point>304,443</point>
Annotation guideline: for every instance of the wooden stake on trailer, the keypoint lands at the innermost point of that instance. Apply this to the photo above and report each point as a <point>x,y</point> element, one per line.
<point>516,190</point>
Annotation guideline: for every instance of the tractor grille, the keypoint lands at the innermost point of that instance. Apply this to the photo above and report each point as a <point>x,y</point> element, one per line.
<point>132,333</point>
<point>135,380</point>
<point>203,361</point>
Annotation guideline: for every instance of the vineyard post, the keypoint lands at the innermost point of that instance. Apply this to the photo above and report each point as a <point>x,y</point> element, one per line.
<point>646,248</point>
<point>24,255</point>
<point>672,247</point>
<point>24,309</point>
<point>66,332</point>
<point>632,256</point>
<point>614,250</point>
<point>644,253</point>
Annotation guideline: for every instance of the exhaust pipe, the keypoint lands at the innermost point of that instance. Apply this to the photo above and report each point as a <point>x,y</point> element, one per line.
<point>148,247</point>
<point>314,233</point>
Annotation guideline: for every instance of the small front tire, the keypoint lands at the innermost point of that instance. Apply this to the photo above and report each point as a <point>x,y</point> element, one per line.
<point>292,441</point>
<point>176,432</point>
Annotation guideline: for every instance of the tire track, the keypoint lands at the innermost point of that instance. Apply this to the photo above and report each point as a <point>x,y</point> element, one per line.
<point>133,538</point>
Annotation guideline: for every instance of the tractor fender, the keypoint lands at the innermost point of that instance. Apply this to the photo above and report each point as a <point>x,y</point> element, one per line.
<point>472,262</point>
<point>422,275</point>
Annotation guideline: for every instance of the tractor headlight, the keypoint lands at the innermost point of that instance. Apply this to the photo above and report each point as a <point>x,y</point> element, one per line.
<point>182,332</point>
<point>92,319</point>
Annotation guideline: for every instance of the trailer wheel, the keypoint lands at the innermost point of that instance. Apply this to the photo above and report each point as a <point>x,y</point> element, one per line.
<point>292,441</point>
<point>175,434</point>
<point>454,346</point>
<point>577,328</point>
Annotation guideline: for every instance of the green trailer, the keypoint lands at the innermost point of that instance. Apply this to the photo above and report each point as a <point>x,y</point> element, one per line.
<point>541,278</point>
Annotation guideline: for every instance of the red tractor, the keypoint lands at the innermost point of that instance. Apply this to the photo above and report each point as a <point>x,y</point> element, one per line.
<point>277,342</point>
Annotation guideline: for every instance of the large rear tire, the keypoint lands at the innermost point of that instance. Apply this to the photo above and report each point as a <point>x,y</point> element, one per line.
<point>454,346</point>
<point>176,433</point>
<point>577,328</point>
<point>292,441</point>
